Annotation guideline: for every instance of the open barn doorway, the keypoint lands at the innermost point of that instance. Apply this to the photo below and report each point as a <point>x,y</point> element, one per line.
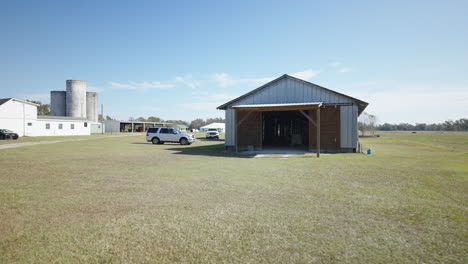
<point>285,129</point>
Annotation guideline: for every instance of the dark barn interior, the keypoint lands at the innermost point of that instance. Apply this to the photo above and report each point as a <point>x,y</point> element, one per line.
<point>294,129</point>
<point>285,129</point>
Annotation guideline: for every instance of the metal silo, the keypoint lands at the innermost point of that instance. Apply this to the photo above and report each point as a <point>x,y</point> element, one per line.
<point>76,98</point>
<point>92,106</point>
<point>58,103</point>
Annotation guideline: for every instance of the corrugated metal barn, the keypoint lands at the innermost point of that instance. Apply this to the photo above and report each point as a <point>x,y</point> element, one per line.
<point>292,113</point>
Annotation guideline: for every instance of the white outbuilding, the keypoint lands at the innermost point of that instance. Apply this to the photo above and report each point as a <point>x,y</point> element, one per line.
<point>21,117</point>
<point>219,126</point>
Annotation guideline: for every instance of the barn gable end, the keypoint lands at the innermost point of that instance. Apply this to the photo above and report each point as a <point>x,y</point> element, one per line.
<point>290,90</point>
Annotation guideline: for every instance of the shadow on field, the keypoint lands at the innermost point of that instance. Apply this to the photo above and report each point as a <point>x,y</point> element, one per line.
<point>210,150</point>
<point>206,139</point>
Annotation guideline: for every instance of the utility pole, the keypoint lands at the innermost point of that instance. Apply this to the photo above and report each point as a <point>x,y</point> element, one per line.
<point>102,119</point>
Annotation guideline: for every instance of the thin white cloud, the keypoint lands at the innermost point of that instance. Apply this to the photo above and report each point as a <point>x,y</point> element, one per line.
<point>142,85</point>
<point>340,67</point>
<point>188,81</point>
<point>43,98</point>
<point>95,89</point>
<point>306,75</point>
<point>225,80</point>
<point>345,69</point>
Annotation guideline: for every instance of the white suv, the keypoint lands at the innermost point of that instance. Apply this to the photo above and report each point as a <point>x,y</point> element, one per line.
<point>212,133</point>
<point>159,135</point>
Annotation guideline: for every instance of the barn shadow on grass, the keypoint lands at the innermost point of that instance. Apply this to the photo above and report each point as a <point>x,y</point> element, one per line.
<point>216,150</point>
<point>209,139</point>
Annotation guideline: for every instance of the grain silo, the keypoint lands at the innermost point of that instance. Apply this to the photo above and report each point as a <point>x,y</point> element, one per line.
<point>76,98</point>
<point>92,106</point>
<point>58,103</point>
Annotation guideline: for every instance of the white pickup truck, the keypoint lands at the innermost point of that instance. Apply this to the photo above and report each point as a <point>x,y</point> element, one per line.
<point>160,135</point>
<point>212,133</point>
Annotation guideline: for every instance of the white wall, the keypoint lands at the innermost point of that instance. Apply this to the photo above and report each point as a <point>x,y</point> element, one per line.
<point>21,118</point>
<point>13,115</point>
<point>38,127</point>
<point>111,126</point>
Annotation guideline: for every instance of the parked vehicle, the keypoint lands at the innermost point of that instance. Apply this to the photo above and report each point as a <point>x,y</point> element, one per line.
<point>160,135</point>
<point>212,133</point>
<point>8,134</point>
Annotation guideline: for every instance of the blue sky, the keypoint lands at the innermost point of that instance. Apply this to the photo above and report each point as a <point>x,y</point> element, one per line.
<point>181,59</point>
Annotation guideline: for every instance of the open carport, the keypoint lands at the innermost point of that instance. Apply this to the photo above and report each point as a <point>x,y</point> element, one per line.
<point>291,113</point>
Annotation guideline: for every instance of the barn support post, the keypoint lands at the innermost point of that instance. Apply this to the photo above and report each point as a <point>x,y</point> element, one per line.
<point>235,130</point>
<point>308,117</point>
<point>317,126</point>
<point>318,132</point>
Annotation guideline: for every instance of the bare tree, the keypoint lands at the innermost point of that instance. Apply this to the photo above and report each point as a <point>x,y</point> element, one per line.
<point>367,123</point>
<point>154,119</point>
<point>43,109</point>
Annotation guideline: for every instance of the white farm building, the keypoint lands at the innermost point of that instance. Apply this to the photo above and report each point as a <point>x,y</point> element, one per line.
<point>219,126</point>
<point>78,117</point>
<point>21,117</point>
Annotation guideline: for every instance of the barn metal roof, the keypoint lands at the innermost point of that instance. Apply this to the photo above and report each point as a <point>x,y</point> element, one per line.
<point>284,106</point>
<point>361,104</point>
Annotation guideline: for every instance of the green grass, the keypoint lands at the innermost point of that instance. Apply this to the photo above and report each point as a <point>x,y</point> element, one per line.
<point>127,201</point>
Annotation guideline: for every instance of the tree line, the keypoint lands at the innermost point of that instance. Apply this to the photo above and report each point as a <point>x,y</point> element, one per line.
<point>457,125</point>
<point>367,125</point>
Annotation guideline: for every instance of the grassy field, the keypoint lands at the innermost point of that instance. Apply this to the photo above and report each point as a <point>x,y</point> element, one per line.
<point>127,201</point>
<point>62,138</point>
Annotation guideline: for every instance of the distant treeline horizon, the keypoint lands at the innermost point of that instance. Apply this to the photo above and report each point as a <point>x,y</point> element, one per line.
<point>457,125</point>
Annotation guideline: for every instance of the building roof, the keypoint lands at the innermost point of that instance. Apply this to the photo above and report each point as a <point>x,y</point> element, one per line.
<point>4,100</point>
<point>181,126</point>
<point>361,104</point>
<point>278,107</point>
<point>61,118</point>
<point>137,122</point>
<point>214,125</point>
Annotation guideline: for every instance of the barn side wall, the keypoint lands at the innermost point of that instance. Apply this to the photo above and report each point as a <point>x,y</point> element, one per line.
<point>329,130</point>
<point>349,129</point>
<point>250,130</point>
